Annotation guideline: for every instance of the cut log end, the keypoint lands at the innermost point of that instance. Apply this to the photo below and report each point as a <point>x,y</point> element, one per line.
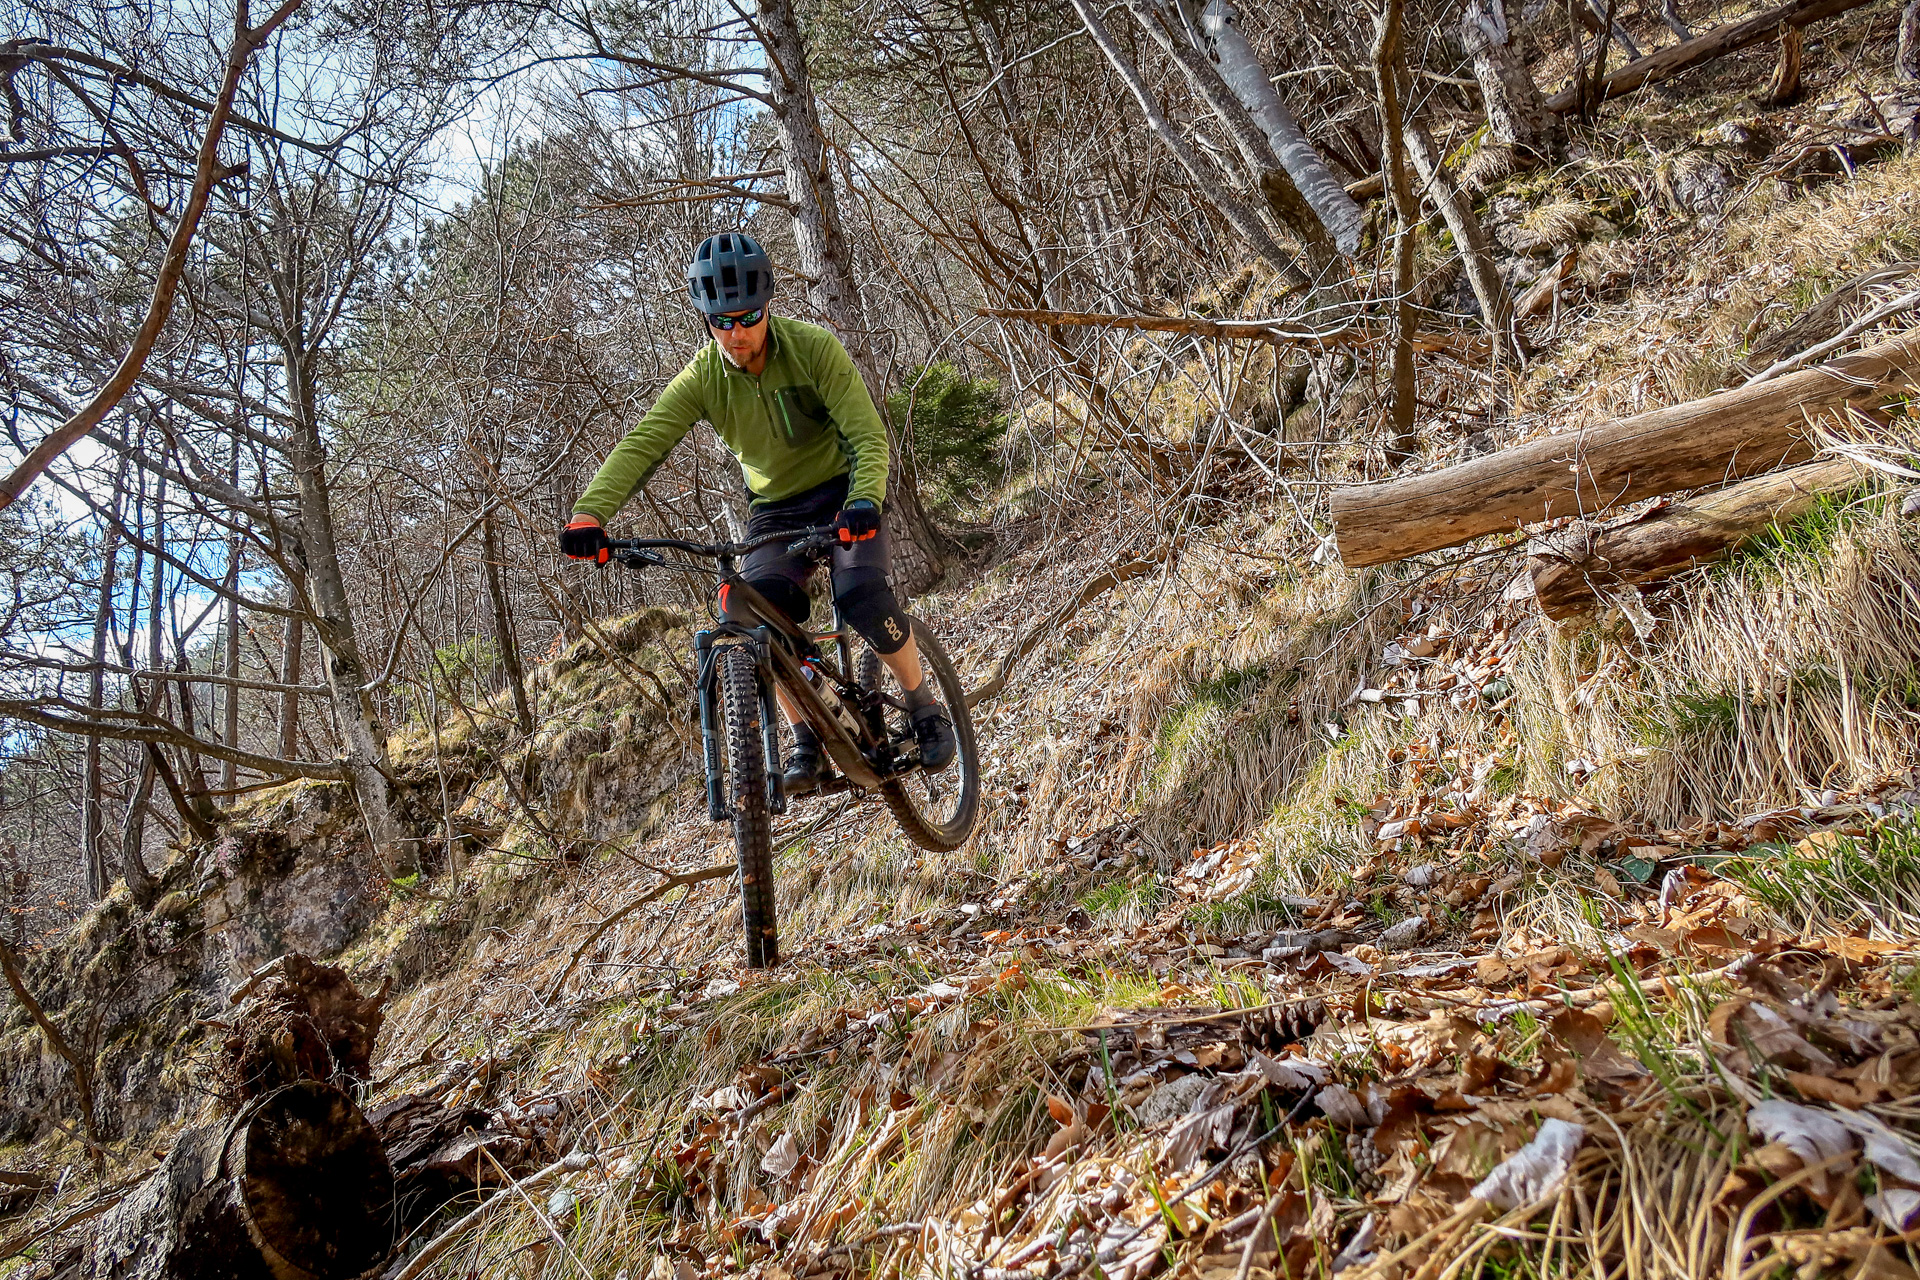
<point>315,1187</point>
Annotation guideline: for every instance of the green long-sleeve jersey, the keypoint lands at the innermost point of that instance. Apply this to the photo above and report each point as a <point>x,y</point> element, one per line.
<point>805,419</point>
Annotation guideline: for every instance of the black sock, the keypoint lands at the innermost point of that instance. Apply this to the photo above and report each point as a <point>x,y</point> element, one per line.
<point>918,697</point>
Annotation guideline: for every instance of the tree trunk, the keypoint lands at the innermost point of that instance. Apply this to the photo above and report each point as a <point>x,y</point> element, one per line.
<point>293,640</point>
<point>1729,435</point>
<point>296,1185</point>
<point>1240,68</point>
<point>1205,180</point>
<point>1664,64</point>
<point>1476,254</point>
<point>363,740</point>
<point>230,698</point>
<point>1907,56</point>
<point>827,258</point>
<point>1393,149</point>
<point>503,627</point>
<point>1517,116</point>
<point>1571,568</point>
<point>1167,24</point>
<point>94,818</point>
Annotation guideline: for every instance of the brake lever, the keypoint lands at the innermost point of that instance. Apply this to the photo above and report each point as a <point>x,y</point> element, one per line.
<point>815,546</point>
<point>636,558</point>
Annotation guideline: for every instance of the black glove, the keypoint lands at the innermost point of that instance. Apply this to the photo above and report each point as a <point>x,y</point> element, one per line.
<point>584,539</point>
<point>858,520</point>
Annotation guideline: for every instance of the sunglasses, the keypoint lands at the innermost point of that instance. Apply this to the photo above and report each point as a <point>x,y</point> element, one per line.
<point>745,321</point>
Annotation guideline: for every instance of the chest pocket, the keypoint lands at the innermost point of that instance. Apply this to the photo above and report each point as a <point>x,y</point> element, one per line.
<point>799,415</point>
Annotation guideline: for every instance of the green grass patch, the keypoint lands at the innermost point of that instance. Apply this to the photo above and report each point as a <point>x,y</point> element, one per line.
<point>1834,881</point>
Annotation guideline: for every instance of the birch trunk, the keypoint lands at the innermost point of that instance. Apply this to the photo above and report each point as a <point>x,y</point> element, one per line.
<point>826,257</point>
<point>1240,68</point>
<point>1238,216</point>
<point>1476,255</point>
<point>1517,116</point>
<point>1166,23</point>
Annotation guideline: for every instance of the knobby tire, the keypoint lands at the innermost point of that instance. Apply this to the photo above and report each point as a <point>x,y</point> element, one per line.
<point>964,773</point>
<point>752,824</point>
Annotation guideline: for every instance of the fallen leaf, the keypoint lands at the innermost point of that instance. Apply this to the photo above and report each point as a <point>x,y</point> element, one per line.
<point>1530,1173</point>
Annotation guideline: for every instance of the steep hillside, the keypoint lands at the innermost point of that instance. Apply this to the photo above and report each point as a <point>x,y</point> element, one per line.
<point>1370,905</point>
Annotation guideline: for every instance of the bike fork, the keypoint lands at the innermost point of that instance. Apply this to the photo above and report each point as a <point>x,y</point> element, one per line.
<point>703,651</point>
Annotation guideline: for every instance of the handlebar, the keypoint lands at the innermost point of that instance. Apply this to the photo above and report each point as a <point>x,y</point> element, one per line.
<point>814,542</point>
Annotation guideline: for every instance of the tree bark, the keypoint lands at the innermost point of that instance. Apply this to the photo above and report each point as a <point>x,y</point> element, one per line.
<point>363,740</point>
<point>94,818</point>
<point>1517,116</point>
<point>1729,435</point>
<point>293,640</point>
<point>1240,68</point>
<point>1238,216</point>
<point>827,258</point>
<point>1572,568</point>
<point>1167,24</point>
<point>1784,85</point>
<point>1455,342</point>
<point>1470,238</point>
<point>503,627</point>
<point>1907,56</point>
<point>1393,149</point>
<point>1664,64</point>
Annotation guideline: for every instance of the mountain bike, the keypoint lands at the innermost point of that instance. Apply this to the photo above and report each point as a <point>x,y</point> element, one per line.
<point>851,701</point>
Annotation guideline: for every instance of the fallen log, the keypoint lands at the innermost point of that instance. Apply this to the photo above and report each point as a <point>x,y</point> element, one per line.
<point>1574,568</point>
<point>1664,64</point>
<point>1727,436</point>
<point>1270,331</point>
<point>296,1187</point>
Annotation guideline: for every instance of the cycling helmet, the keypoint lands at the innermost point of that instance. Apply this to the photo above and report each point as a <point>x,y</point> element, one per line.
<point>729,272</point>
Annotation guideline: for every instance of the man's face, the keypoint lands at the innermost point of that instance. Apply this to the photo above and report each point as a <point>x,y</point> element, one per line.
<point>744,342</point>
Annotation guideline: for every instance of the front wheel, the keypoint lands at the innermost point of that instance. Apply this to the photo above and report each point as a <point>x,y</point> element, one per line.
<point>752,824</point>
<point>936,810</point>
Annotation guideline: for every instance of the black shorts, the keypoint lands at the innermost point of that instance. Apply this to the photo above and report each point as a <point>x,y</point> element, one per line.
<point>816,506</point>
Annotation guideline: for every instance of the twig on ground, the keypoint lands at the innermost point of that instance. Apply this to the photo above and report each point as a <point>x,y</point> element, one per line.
<point>441,1243</point>
<point>1905,302</point>
<point>704,874</point>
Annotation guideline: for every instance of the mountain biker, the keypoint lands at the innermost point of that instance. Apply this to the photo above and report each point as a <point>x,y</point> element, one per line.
<point>785,397</point>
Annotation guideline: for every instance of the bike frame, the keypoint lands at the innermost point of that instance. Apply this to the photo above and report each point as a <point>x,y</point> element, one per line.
<point>782,653</point>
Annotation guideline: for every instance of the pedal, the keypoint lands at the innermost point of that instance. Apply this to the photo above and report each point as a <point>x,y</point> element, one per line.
<point>837,783</point>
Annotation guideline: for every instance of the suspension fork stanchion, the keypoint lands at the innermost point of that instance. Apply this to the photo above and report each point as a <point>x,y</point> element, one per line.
<point>703,650</point>
<point>770,721</point>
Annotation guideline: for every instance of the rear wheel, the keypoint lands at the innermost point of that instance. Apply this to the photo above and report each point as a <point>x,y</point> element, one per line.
<point>752,825</point>
<point>936,810</point>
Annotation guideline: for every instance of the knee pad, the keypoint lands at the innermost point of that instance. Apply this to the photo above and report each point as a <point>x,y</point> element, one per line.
<point>867,603</point>
<point>783,593</point>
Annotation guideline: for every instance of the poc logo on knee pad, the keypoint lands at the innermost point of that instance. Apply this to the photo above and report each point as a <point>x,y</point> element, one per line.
<point>893,630</point>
